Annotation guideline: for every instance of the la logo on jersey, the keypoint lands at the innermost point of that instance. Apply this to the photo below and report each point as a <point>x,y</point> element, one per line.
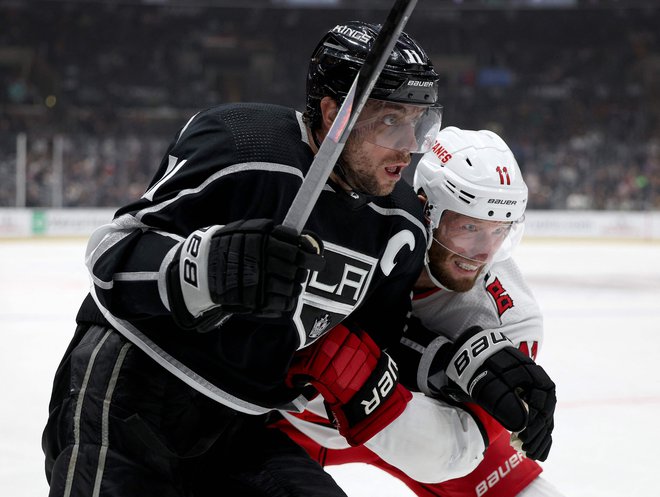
<point>502,299</point>
<point>333,293</point>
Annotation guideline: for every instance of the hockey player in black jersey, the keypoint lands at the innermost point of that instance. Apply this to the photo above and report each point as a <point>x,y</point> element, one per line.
<point>200,298</point>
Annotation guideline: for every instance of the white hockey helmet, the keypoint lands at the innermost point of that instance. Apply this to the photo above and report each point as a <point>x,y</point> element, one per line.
<point>473,173</point>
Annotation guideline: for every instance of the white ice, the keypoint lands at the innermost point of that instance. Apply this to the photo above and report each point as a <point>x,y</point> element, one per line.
<point>602,314</point>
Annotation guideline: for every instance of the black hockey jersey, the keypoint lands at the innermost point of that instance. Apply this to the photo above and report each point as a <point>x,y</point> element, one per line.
<point>242,161</point>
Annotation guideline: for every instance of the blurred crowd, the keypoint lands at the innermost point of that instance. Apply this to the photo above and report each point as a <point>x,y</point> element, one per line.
<point>98,90</point>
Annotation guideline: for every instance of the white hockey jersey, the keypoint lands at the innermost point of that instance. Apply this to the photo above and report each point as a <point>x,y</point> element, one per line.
<point>502,300</point>
<point>433,441</point>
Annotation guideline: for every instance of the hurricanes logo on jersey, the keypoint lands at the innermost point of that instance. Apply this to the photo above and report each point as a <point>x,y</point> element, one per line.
<point>503,300</point>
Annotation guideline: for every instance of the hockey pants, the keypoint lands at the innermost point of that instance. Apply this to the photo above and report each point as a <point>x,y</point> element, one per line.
<point>120,425</point>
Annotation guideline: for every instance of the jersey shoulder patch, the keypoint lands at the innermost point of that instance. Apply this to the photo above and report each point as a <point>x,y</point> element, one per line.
<point>503,301</point>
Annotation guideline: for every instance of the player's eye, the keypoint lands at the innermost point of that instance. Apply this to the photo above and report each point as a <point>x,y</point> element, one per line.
<point>391,119</point>
<point>502,230</point>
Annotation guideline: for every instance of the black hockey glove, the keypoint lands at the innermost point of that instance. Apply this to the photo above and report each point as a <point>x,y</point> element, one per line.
<point>508,384</point>
<point>485,368</point>
<point>244,267</point>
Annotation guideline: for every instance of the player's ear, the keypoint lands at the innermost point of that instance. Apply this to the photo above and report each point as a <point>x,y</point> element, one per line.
<point>422,196</point>
<point>329,110</point>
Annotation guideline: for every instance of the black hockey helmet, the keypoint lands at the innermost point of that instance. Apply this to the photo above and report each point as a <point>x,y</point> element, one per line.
<point>408,75</point>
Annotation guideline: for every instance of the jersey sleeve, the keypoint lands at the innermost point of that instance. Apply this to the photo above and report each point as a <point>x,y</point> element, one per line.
<point>195,186</point>
<point>430,441</point>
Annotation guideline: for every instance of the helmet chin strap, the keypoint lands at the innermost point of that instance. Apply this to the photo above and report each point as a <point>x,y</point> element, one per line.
<point>338,169</point>
<point>429,237</point>
<point>436,282</point>
<point>429,273</point>
<point>341,172</point>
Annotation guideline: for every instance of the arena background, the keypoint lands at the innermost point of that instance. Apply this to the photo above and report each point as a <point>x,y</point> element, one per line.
<point>92,91</point>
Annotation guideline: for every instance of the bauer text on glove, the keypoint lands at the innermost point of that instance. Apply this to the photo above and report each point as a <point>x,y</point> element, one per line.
<point>358,382</point>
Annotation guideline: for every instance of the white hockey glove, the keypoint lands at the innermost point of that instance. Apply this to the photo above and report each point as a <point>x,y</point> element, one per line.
<point>244,267</point>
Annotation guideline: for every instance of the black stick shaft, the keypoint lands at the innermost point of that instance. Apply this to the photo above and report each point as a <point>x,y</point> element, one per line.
<point>334,142</point>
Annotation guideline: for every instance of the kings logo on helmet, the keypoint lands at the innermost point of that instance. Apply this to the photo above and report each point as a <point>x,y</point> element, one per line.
<point>352,33</point>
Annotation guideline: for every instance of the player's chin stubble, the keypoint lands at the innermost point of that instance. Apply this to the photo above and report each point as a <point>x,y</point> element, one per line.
<point>362,172</point>
<point>441,263</point>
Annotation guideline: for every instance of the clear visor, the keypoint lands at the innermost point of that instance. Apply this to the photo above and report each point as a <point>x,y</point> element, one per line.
<point>404,127</point>
<point>478,240</point>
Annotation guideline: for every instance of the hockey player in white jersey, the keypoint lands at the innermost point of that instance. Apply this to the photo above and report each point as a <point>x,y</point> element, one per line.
<point>473,305</point>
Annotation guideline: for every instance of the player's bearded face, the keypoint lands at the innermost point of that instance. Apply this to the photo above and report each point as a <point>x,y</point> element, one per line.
<point>370,168</point>
<point>453,271</point>
<point>461,248</point>
<point>379,147</point>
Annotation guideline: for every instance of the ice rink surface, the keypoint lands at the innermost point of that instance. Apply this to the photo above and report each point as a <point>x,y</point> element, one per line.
<point>601,303</point>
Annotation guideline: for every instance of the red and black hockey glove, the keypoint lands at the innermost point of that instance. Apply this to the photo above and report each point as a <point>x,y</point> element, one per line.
<point>358,382</point>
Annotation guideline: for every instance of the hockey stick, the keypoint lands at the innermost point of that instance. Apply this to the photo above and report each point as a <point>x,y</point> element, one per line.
<point>334,142</point>
<point>357,96</point>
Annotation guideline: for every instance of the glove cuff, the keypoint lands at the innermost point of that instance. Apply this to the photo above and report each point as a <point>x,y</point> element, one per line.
<point>431,376</point>
<point>470,354</point>
<point>390,409</point>
<point>380,385</point>
<point>488,426</point>
<point>194,270</point>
